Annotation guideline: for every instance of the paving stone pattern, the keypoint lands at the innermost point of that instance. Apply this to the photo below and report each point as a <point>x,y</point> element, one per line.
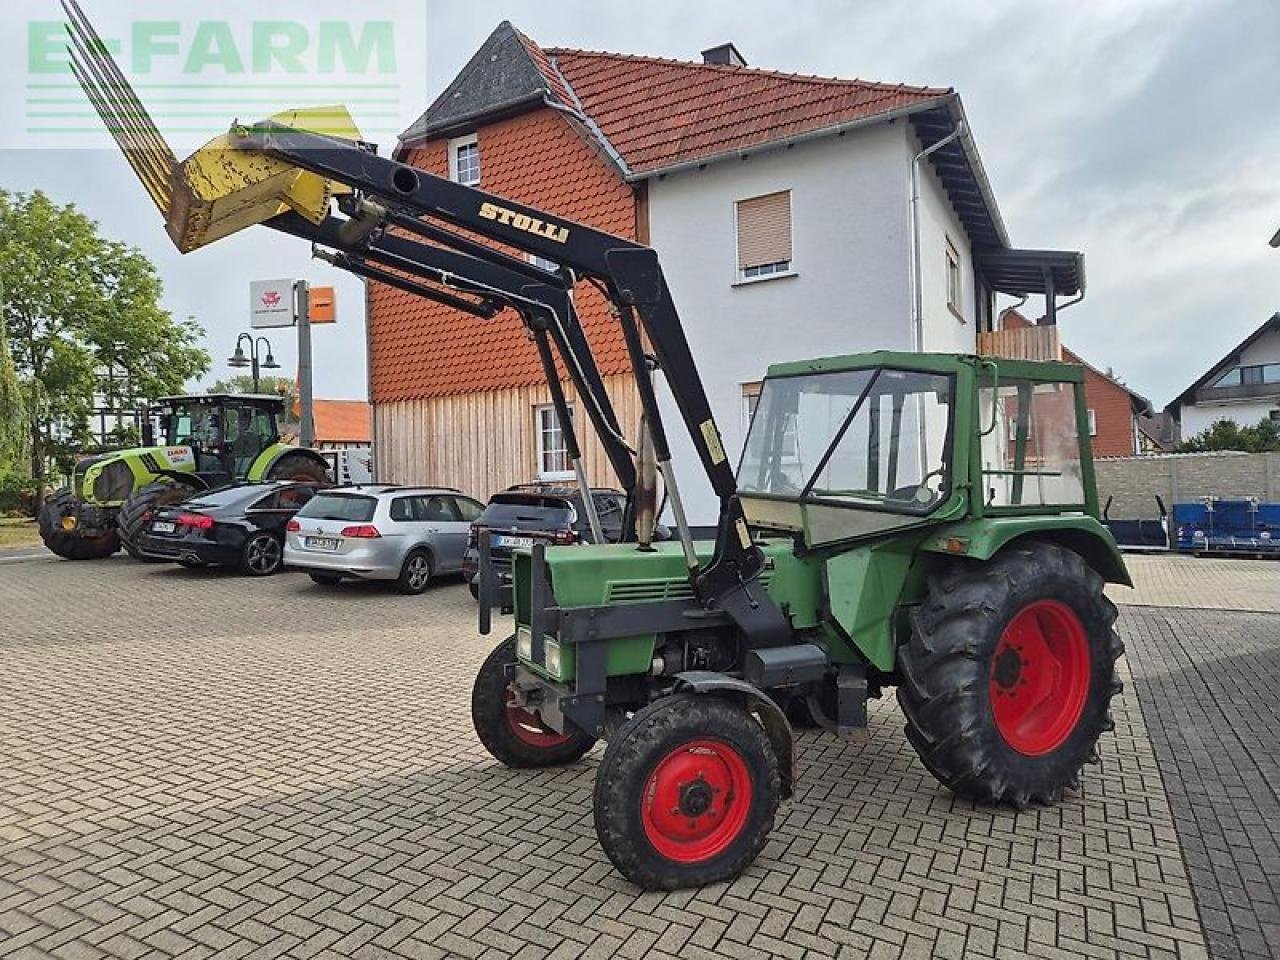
<point>1208,683</point>
<point>198,765</point>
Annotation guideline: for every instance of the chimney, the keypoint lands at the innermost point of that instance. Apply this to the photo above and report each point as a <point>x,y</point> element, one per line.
<point>725,54</point>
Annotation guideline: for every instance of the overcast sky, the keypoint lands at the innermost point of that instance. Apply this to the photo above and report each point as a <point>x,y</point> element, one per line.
<point>1143,133</point>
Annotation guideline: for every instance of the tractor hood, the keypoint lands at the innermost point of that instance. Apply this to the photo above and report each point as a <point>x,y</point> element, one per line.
<point>109,478</point>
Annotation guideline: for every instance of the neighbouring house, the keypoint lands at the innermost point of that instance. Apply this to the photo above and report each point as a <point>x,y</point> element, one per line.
<point>1119,418</point>
<point>1244,386</point>
<point>795,216</point>
<point>340,423</point>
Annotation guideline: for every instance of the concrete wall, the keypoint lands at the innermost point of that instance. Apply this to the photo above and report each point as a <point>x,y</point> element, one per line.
<point>851,288</point>
<point>1135,481</point>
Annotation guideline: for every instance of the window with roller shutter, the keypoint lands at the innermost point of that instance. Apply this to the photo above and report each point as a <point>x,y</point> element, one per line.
<point>764,235</point>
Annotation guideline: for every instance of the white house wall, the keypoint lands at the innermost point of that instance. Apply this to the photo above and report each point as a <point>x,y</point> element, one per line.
<point>851,244</point>
<point>1197,417</point>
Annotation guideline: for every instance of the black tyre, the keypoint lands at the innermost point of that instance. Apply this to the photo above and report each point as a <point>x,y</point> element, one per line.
<point>63,536</point>
<point>686,793</point>
<point>326,579</point>
<point>516,737</point>
<point>262,555</point>
<point>415,573</point>
<point>1007,679</point>
<point>298,466</point>
<point>475,591</point>
<point>142,503</point>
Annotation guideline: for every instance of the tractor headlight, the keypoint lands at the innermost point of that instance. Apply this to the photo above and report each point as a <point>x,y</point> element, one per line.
<point>524,643</point>
<point>552,649</point>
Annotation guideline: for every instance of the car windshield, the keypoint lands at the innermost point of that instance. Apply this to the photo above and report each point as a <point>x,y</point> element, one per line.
<point>874,437</point>
<point>339,506</point>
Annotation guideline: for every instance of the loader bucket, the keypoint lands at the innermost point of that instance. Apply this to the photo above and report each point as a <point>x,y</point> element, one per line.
<point>218,190</point>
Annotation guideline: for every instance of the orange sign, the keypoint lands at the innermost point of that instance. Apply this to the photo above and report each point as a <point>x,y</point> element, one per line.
<point>322,305</point>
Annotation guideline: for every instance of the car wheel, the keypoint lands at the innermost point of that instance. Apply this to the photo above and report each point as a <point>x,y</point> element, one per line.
<point>262,556</point>
<point>326,579</point>
<point>475,591</point>
<point>415,573</point>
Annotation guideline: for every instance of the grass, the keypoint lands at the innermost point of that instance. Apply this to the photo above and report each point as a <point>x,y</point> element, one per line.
<point>18,532</point>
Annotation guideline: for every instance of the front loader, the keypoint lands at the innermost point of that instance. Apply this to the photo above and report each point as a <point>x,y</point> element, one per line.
<point>921,521</point>
<point>205,441</point>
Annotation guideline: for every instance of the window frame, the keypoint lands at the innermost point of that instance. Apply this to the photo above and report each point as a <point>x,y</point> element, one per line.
<point>540,451</point>
<point>1092,414</point>
<point>769,271</point>
<point>455,145</point>
<point>954,280</point>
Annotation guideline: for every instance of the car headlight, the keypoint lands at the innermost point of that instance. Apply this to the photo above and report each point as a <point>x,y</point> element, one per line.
<point>552,650</point>
<point>524,643</point>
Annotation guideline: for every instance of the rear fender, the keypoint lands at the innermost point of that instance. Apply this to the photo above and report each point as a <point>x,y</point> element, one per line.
<point>774,721</point>
<point>268,458</point>
<point>983,539</point>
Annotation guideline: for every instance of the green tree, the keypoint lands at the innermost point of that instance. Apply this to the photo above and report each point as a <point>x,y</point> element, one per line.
<point>75,301</point>
<point>1264,436</point>
<point>12,410</point>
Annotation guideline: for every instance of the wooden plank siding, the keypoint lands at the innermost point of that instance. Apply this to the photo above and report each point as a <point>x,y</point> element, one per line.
<point>482,442</point>
<point>1021,343</point>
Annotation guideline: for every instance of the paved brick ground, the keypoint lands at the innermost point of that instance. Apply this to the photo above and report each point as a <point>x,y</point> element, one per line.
<point>1201,582</point>
<point>196,765</point>
<point>1208,683</point>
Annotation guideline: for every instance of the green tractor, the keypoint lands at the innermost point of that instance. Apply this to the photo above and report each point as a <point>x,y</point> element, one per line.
<point>205,442</point>
<point>927,522</point>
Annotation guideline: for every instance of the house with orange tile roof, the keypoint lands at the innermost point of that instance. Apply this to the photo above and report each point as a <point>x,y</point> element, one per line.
<point>795,216</point>
<point>340,423</point>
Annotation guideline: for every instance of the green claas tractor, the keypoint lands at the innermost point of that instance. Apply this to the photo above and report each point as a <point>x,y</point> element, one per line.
<point>206,441</point>
<point>927,522</point>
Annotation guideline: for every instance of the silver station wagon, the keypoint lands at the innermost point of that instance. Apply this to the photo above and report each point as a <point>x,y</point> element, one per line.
<point>381,532</point>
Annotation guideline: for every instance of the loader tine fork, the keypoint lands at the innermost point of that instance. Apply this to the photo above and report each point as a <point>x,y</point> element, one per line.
<point>150,181</point>
<point>121,110</point>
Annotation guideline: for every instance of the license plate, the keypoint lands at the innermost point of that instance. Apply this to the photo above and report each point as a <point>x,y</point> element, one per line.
<point>163,526</point>
<point>501,541</point>
<point>321,543</point>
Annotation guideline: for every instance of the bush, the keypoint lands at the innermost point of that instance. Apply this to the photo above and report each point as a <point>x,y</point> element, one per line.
<point>17,492</point>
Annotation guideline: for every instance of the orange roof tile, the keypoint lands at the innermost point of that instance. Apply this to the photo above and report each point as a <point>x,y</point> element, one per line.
<point>342,421</point>
<point>658,113</point>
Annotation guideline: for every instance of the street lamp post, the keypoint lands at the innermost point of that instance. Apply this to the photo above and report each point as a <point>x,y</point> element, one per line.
<point>240,361</point>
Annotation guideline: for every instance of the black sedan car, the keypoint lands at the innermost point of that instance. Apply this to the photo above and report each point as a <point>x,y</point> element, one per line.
<point>241,526</point>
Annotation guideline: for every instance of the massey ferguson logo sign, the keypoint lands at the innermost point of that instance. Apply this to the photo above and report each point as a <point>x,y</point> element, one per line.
<point>271,304</point>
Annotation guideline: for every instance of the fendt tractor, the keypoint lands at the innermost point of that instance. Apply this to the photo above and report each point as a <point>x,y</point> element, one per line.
<point>204,442</point>
<point>897,519</point>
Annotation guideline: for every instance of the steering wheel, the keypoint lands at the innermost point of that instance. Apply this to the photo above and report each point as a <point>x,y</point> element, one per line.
<point>912,492</point>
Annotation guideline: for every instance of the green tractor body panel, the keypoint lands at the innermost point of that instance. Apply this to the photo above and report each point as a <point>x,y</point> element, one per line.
<point>107,480</point>
<point>864,586</point>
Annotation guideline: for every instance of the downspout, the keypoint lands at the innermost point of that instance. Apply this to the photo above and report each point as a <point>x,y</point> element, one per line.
<point>917,318</point>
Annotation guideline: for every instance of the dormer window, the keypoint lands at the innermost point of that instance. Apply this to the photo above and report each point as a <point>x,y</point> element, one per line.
<point>464,160</point>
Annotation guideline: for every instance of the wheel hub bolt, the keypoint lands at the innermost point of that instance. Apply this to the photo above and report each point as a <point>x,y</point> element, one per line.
<point>695,798</point>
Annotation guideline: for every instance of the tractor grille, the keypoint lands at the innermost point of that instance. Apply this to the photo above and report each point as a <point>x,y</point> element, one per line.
<point>113,483</point>
<point>647,591</point>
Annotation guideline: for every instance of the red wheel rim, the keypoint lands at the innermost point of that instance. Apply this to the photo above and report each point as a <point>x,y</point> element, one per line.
<point>529,728</point>
<point>696,801</point>
<point>1040,677</point>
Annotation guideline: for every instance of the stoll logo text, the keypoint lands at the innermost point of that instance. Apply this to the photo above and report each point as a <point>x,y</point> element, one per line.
<point>196,73</point>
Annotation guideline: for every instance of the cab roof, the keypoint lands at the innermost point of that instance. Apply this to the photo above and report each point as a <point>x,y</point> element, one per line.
<point>258,398</point>
<point>942,363</point>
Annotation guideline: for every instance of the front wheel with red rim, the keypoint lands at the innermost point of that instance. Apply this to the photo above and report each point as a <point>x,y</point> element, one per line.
<point>513,734</point>
<point>686,793</point>
<point>1007,678</point>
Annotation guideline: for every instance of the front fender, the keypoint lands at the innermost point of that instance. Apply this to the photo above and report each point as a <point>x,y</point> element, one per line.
<point>774,721</point>
<point>983,539</point>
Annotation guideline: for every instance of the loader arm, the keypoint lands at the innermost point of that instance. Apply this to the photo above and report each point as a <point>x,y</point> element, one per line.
<point>278,173</point>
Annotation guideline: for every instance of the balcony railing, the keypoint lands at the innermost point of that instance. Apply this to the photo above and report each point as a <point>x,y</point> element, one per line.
<point>1022,343</point>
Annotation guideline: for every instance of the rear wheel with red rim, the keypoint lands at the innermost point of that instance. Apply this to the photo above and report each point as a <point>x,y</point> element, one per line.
<point>513,734</point>
<point>1007,678</point>
<point>686,792</point>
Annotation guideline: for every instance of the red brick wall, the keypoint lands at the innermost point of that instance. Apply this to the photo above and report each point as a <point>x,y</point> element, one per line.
<point>419,349</point>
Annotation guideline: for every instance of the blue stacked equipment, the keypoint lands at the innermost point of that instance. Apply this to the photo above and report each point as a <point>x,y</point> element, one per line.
<point>1214,525</point>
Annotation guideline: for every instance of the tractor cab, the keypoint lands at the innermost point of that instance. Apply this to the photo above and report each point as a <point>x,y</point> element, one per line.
<point>226,432</point>
<point>847,447</point>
